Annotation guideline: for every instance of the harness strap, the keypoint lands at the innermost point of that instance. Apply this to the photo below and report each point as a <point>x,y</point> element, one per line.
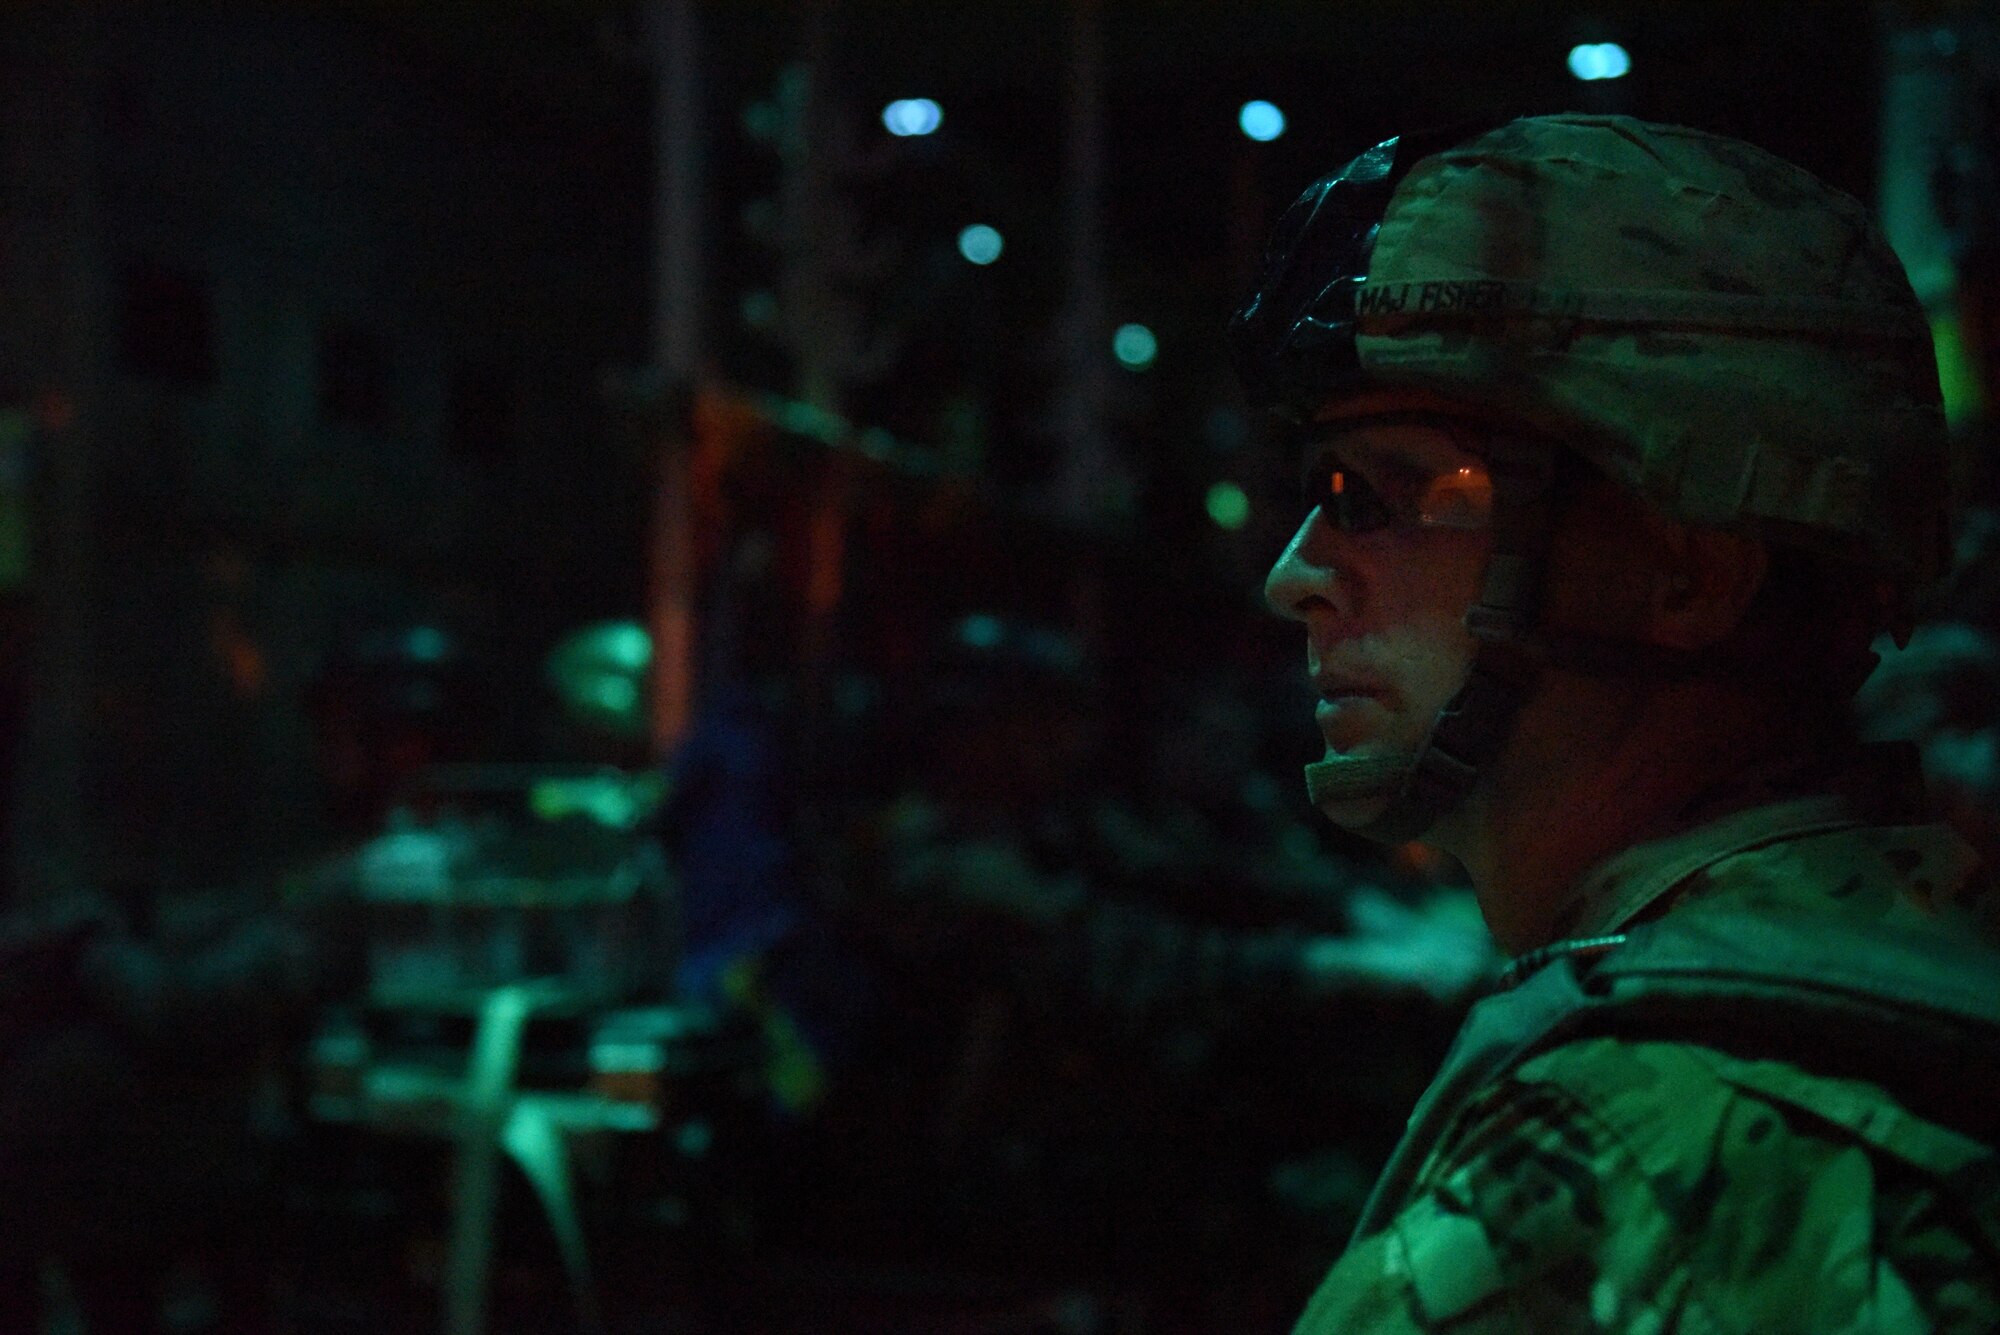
<point>1909,1009</point>
<point>1662,865</point>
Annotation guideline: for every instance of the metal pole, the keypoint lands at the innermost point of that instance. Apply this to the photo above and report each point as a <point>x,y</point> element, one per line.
<point>674,37</point>
<point>1086,465</point>
<point>57,290</point>
<point>674,44</point>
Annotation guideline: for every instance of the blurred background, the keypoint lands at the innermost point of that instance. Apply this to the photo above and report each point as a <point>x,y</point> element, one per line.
<point>632,679</point>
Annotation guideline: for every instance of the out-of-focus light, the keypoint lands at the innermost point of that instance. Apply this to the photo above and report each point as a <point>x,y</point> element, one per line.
<point>1134,346</point>
<point>615,694</point>
<point>1958,376</point>
<point>980,631</point>
<point>427,644</point>
<point>912,115</point>
<point>1261,121</point>
<point>760,309</point>
<point>763,121</point>
<point>980,244</point>
<point>1599,60</point>
<point>694,1139</point>
<point>628,646</point>
<point>1227,431</point>
<point>1228,506</point>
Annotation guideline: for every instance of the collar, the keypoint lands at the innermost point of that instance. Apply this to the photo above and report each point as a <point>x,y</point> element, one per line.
<point>1626,884</point>
<point>1878,783</point>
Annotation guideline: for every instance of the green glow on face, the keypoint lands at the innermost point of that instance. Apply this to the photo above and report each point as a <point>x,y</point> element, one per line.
<point>627,645</point>
<point>1228,506</point>
<point>1958,378</point>
<point>617,694</point>
<point>598,670</point>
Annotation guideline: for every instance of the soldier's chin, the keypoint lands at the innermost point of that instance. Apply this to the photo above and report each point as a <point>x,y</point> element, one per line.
<point>1352,790</point>
<point>1353,812</point>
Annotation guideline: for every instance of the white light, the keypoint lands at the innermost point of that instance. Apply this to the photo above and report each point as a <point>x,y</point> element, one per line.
<point>980,244</point>
<point>1261,121</point>
<point>912,115</point>
<point>1134,346</point>
<point>1599,60</point>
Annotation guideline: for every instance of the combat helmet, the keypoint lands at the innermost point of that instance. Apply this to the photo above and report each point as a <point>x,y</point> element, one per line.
<point>1708,326</point>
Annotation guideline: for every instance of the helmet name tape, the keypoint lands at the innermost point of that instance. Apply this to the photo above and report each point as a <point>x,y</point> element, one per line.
<point>1648,307</point>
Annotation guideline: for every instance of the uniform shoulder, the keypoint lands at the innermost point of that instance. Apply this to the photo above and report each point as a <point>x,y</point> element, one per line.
<point>1893,873</point>
<point>1671,1107</point>
<point>1658,1103</point>
<point>1624,1186</point>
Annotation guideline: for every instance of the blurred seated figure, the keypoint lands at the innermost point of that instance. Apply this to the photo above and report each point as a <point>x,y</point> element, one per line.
<point>459,873</point>
<point>140,1103</point>
<point>495,911</point>
<point>744,943</point>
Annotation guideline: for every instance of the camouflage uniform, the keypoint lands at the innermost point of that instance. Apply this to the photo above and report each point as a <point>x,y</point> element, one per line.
<point>1756,1142</point>
<point>1643,1184</point>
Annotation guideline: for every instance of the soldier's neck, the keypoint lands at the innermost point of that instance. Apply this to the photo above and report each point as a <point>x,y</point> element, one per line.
<point>1595,770</point>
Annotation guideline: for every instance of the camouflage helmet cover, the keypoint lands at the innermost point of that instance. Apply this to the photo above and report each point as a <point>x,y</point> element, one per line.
<point>1712,327</point>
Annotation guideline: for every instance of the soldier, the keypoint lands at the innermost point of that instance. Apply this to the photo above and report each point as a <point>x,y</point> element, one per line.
<point>1622,445</point>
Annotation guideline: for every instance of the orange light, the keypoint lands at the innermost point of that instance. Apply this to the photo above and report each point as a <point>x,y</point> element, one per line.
<point>1339,483</point>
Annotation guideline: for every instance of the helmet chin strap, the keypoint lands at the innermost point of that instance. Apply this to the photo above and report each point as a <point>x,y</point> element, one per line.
<point>1473,727</point>
<point>1349,778</point>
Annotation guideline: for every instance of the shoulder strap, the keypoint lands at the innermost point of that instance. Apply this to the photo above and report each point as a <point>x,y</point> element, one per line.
<point>1915,1011</point>
<point>1646,872</point>
<point>1500,1032</point>
<point>1904,1006</point>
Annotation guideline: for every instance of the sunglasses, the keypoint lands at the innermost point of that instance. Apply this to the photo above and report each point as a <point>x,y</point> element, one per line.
<point>1392,488</point>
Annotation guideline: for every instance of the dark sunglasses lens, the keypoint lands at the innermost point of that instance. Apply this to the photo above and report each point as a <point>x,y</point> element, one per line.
<point>1345,499</point>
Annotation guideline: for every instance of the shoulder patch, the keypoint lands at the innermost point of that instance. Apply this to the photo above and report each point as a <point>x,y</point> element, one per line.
<point>1450,1261</point>
<point>1660,1100</point>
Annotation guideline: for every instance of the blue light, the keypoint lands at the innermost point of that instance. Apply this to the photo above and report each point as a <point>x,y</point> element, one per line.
<point>912,115</point>
<point>1134,346</point>
<point>980,244</point>
<point>1261,121</point>
<point>1599,60</point>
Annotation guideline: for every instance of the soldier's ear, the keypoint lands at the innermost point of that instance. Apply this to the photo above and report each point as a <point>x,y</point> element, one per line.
<point>1702,585</point>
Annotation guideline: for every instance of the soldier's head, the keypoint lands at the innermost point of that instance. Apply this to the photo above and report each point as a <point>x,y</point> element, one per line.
<point>1585,403</point>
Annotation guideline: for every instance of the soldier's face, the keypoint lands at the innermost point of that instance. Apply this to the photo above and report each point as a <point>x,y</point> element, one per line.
<point>1383,609</point>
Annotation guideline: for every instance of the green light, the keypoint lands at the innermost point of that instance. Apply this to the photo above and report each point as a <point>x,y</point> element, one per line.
<point>628,646</point>
<point>1958,378</point>
<point>1228,506</point>
<point>1134,346</point>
